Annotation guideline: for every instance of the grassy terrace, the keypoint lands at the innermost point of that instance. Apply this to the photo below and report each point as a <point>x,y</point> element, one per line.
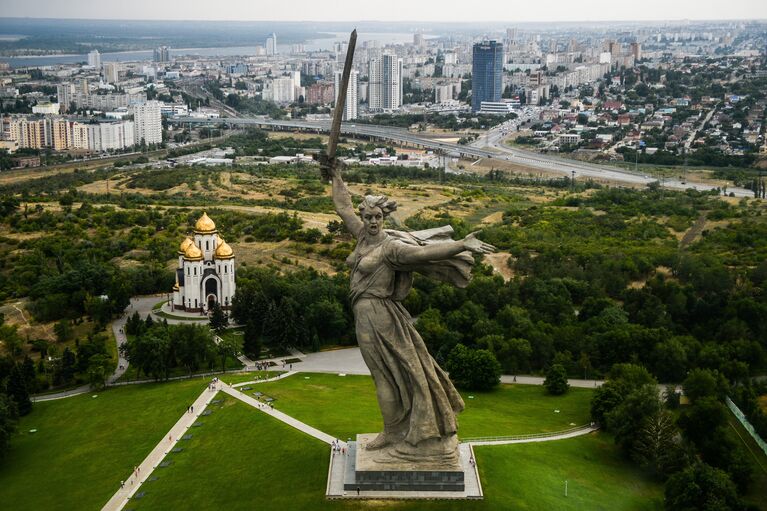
<point>345,406</point>
<point>243,459</point>
<point>84,446</point>
<point>246,470</point>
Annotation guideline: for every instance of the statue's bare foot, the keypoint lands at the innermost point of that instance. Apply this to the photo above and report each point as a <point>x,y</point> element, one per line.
<point>382,440</point>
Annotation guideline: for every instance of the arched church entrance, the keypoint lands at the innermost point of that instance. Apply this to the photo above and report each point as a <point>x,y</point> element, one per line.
<point>211,292</point>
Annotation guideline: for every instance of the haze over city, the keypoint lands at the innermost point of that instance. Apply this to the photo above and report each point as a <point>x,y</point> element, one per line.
<point>394,10</point>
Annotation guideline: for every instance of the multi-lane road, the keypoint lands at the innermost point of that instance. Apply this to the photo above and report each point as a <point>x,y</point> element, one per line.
<point>495,148</point>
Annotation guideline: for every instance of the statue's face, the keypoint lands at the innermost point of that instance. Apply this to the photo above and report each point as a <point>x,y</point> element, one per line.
<point>373,220</point>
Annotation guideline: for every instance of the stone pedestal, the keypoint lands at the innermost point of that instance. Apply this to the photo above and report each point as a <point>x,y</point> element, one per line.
<point>372,471</point>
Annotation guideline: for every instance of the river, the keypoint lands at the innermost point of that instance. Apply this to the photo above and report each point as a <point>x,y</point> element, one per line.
<point>230,51</point>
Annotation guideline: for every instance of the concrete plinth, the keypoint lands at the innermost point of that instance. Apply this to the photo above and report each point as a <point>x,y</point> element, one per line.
<point>364,474</point>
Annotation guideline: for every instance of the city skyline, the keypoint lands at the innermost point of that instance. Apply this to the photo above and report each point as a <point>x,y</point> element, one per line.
<point>557,11</point>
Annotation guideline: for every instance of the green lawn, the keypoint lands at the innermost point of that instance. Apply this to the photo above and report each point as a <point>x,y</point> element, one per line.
<point>84,446</point>
<point>232,364</point>
<point>346,405</point>
<point>239,377</point>
<point>268,465</point>
<point>532,476</point>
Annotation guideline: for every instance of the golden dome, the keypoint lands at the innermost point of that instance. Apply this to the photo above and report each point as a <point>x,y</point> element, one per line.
<point>204,225</point>
<point>185,244</point>
<point>224,251</point>
<point>193,253</point>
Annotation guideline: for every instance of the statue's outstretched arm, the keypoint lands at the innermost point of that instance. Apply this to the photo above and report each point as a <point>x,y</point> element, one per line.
<point>444,250</point>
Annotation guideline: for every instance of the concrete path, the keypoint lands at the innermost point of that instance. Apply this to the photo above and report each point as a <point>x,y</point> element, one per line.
<point>347,361</point>
<point>134,480</point>
<point>142,305</point>
<point>539,437</point>
<point>275,378</point>
<point>538,380</point>
<point>287,419</point>
<point>82,389</point>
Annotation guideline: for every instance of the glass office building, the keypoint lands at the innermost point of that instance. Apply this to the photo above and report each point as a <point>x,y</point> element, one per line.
<point>486,73</point>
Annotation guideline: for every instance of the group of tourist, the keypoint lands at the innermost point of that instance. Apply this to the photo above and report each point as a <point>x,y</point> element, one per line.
<point>338,447</point>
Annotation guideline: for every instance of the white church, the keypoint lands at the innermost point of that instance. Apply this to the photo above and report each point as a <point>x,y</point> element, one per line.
<point>205,274</point>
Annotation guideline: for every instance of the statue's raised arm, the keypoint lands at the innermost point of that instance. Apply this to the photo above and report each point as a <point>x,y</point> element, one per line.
<point>342,199</point>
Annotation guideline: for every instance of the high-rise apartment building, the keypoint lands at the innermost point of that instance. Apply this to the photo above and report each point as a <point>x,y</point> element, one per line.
<point>162,54</point>
<point>281,90</point>
<point>352,96</point>
<point>94,59</point>
<point>385,88</point>
<point>66,95</point>
<point>104,136</point>
<point>56,133</point>
<point>111,72</point>
<point>147,121</point>
<point>271,45</point>
<point>636,51</point>
<point>486,73</point>
<point>320,93</point>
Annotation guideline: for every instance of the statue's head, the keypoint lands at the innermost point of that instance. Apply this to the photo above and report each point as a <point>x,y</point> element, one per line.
<point>373,210</point>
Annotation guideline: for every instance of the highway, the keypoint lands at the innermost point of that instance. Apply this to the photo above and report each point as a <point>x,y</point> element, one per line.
<point>495,149</point>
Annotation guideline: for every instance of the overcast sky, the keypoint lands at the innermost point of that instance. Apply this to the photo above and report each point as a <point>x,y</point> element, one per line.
<point>388,10</point>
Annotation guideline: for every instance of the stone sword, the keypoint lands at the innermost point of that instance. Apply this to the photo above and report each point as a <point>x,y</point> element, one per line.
<point>338,112</point>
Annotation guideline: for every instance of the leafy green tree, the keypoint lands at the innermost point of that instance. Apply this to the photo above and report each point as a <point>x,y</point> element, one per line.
<point>68,365</point>
<point>327,318</point>
<point>229,347</point>
<point>251,345</point>
<point>701,383</point>
<point>17,389</point>
<point>192,345</point>
<point>30,376</point>
<point>556,380</point>
<point>8,420</point>
<point>63,330</point>
<point>218,318</point>
<point>657,447</point>
<point>435,332</point>
<point>627,419</point>
<point>473,369</point>
<point>670,359</point>
<point>134,325</point>
<point>704,421</point>
<point>9,335</point>
<point>701,487</point>
<point>622,380</point>
<point>100,366</point>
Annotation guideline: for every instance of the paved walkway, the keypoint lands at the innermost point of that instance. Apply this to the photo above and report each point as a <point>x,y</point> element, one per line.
<point>347,361</point>
<point>134,480</point>
<point>540,437</point>
<point>287,419</point>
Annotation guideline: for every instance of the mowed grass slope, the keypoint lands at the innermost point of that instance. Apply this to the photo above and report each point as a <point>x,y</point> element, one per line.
<point>241,459</point>
<point>84,446</point>
<point>346,405</point>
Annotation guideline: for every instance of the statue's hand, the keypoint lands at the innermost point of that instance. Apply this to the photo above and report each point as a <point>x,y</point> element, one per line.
<point>478,246</point>
<point>329,167</point>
